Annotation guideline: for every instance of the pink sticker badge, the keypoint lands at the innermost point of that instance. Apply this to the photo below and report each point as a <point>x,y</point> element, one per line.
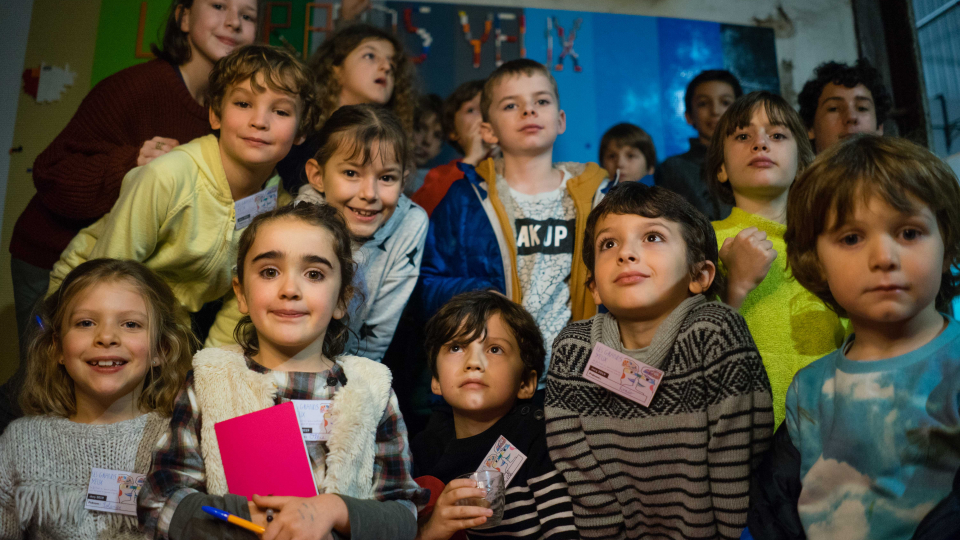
<point>622,375</point>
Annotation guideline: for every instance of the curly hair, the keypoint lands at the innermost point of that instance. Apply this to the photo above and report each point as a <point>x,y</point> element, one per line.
<point>335,50</point>
<point>844,75</point>
<point>48,388</point>
<point>277,68</point>
<point>175,45</point>
<point>327,217</point>
<point>739,115</point>
<point>847,175</point>
<point>657,202</point>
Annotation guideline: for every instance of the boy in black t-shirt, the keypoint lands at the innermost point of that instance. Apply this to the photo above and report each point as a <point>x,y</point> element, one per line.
<point>486,354</point>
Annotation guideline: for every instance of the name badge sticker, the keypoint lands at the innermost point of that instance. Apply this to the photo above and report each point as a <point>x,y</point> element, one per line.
<point>250,207</point>
<point>503,457</point>
<point>622,375</point>
<point>316,422</point>
<point>114,491</point>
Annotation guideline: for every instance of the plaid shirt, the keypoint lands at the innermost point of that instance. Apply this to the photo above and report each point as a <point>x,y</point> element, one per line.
<point>178,467</point>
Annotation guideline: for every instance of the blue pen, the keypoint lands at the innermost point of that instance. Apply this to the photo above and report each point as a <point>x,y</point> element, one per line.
<point>230,518</point>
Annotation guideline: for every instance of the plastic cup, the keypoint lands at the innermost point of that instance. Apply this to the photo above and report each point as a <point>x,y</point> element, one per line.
<point>491,483</point>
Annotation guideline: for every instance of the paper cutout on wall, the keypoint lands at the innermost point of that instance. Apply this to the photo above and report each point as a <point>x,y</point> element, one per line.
<point>47,83</point>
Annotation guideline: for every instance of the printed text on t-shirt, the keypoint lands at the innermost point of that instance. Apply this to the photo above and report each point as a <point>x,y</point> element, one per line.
<point>551,236</point>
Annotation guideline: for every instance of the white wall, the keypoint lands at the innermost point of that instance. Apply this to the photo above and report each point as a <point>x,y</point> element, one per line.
<point>818,31</point>
<point>14,28</point>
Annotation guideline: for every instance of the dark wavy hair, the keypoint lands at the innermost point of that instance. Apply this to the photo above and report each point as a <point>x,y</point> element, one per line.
<point>330,219</point>
<point>840,74</point>
<point>356,128</point>
<point>847,175</point>
<point>656,202</point>
<point>175,45</point>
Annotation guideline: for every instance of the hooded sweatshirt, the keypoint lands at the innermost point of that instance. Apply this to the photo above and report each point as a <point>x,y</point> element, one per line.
<point>176,216</point>
<point>388,264</point>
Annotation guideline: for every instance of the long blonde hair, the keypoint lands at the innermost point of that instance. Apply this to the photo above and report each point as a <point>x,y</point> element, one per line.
<point>335,50</point>
<point>49,389</point>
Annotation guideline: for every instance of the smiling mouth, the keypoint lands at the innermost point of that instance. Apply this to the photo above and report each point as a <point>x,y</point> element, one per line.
<point>288,313</point>
<point>227,41</point>
<point>628,278</point>
<point>364,213</point>
<point>255,141</point>
<point>106,363</point>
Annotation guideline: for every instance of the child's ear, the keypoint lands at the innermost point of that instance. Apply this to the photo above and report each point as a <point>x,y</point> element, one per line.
<point>183,13</point>
<point>435,386</point>
<point>487,134</point>
<point>314,174</point>
<point>703,278</point>
<point>300,140</point>
<point>650,170</point>
<point>689,119</point>
<point>810,134</point>
<point>528,385</point>
<point>241,299</point>
<point>342,306</point>
<point>214,119</point>
<point>452,136</point>
<point>561,122</point>
<point>722,175</point>
<point>593,290</point>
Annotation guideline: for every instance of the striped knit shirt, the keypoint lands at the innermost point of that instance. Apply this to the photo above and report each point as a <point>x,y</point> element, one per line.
<point>679,468</point>
<point>537,504</point>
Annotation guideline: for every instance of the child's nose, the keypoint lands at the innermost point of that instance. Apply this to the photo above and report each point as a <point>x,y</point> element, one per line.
<point>883,254</point>
<point>368,189</point>
<point>232,18</point>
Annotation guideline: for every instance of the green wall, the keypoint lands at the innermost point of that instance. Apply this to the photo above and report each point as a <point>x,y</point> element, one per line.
<point>117,34</point>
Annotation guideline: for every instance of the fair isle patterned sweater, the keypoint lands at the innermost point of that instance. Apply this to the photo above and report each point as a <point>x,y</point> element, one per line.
<point>681,467</point>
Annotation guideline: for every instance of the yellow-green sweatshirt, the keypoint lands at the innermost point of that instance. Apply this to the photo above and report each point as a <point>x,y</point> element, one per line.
<point>175,215</point>
<point>790,325</point>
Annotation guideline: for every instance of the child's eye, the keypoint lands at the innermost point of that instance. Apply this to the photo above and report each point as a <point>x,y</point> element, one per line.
<point>543,102</point>
<point>283,112</point>
<point>132,325</point>
<point>496,349</point>
<point>470,109</point>
<point>241,104</point>
<point>606,244</point>
<point>740,137</point>
<point>269,273</point>
<point>779,137</point>
<point>388,178</point>
<point>850,239</point>
<point>249,18</point>
<point>314,275</point>
<point>218,6</point>
<point>369,55</point>
<point>454,348</point>
<point>350,173</point>
<point>911,234</point>
<point>509,106</point>
<point>84,323</point>
<point>726,102</point>
<point>653,237</point>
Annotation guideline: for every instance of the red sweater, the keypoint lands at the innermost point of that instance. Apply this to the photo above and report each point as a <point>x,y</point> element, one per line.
<point>78,176</point>
<point>436,184</point>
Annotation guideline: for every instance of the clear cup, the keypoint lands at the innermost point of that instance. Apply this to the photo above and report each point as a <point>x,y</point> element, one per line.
<point>491,483</point>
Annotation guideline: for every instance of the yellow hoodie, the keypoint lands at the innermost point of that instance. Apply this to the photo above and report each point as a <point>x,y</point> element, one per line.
<point>176,216</point>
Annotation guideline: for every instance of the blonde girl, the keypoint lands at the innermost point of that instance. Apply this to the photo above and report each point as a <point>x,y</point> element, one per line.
<point>106,362</point>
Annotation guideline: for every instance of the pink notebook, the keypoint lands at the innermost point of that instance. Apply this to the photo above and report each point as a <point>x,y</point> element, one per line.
<point>263,453</point>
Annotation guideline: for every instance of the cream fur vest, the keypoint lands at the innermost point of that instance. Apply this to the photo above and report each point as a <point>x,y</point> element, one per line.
<point>226,388</point>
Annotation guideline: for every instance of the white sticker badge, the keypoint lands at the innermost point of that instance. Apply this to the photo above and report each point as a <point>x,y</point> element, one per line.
<point>315,419</point>
<point>503,457</point>
<point>114,491</point>
<point>622,375</point>
<point>250,207</point>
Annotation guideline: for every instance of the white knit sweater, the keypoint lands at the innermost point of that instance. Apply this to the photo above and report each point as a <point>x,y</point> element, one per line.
<point>45,465</point>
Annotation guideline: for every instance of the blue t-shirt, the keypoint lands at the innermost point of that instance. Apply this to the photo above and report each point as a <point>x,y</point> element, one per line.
<point>879,440</point>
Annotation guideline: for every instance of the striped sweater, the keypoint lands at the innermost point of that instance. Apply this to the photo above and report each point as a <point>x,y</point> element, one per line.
<point>679,468</point>
<point>536,501</point>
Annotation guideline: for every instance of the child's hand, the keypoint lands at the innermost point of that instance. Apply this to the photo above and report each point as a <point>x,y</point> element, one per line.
<point>155,148</point>
<point>257,515</point>
<point>305,518</point>
<point>448,518</point>
<point>747,257</point>
<point>473,146</point>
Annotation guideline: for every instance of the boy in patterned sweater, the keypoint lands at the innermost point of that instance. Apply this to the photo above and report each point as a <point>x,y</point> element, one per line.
<point>486,354</point>
<point>678,466</point>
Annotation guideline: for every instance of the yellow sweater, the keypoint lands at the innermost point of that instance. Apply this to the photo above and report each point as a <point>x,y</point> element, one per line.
<point>790,325</point>
<point>176,216</point>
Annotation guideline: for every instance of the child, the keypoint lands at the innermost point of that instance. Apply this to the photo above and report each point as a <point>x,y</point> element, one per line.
<point>107,361</point>
<point>461,125</point>
<point>514,225</point>
<point>180,214</point>
<point>708,96</point>
<point>758,148</point>
<point>486,353</point>
<point>358,64</point>
<point>427,139</point>
<point>628,154</point>
<point>294,275</point>
<point>842,100</point>
<point>870,442</point>
<point>126,121</point>
<point>680,466</point>
<point>359,170</point>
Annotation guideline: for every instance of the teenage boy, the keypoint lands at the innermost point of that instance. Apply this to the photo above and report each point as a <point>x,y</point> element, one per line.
<point>708,96</point>
<point>182,214</point>
<point>485,353</point>
<point>628,155</point>
<point>514,224</point>
<point>658,410</point>
<point>461,124</point>
<point>842,100</point>
<point>869,444</point>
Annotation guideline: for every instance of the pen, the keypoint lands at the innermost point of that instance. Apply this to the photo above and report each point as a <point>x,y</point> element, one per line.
<point>230,518</point>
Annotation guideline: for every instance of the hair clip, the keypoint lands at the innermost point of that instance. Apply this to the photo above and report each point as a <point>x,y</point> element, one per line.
<point>39,322</point>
